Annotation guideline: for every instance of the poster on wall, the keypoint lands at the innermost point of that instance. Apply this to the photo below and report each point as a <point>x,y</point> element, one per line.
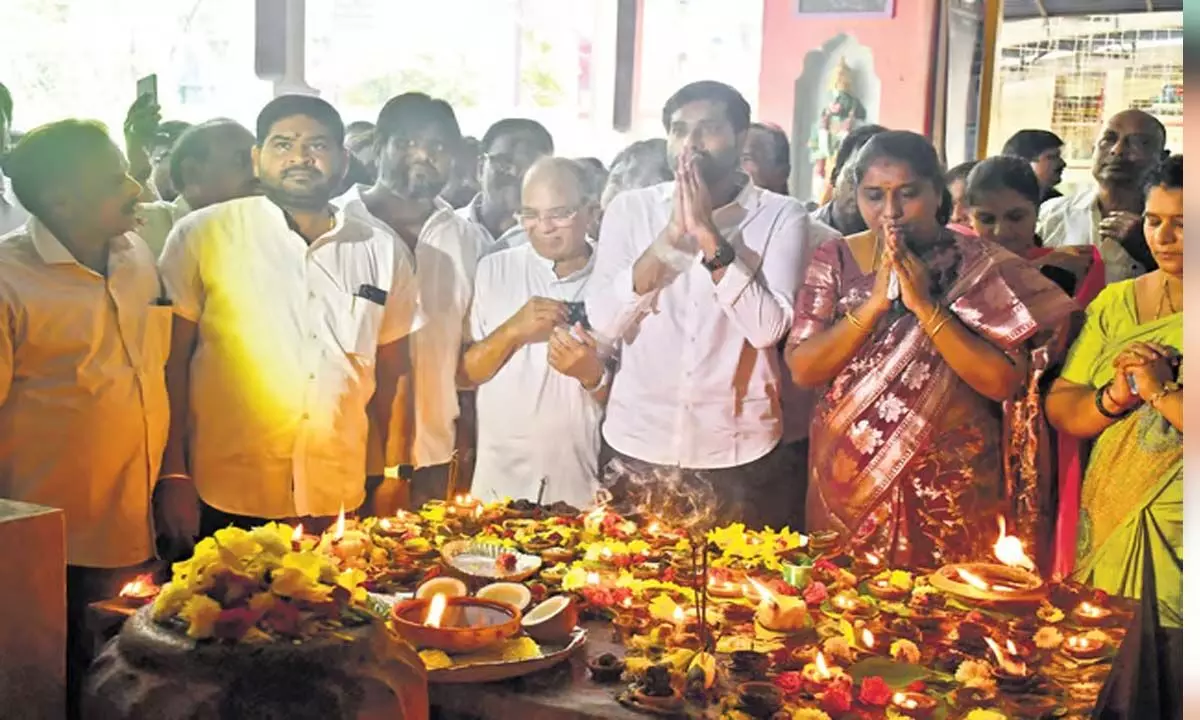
<point>846,8</point>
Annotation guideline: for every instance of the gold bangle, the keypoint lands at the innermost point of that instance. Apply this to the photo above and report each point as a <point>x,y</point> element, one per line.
<point>855,322</point>
<point>933,317</point>
<point>938,328</point>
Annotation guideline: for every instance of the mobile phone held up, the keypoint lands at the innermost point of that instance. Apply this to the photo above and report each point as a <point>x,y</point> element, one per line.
<point>577,313</point>
<point>148,85</point>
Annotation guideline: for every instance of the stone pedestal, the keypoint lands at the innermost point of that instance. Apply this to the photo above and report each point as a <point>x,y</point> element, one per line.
<point>33,611</point>
<point>149,671</point>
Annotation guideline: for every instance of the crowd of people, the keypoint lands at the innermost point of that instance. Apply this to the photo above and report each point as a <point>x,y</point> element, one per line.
<point>224,325</point>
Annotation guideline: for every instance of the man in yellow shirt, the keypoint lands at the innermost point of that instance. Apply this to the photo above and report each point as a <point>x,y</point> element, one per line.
<point>84,336</point>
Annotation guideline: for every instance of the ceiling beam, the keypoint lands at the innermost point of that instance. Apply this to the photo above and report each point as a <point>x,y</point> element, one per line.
<point>1041,6</point>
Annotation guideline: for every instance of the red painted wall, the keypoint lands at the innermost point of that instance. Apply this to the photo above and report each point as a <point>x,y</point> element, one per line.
<point>902,45</point>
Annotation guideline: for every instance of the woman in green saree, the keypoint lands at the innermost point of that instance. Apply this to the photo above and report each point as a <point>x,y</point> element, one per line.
<point>1122,386</point>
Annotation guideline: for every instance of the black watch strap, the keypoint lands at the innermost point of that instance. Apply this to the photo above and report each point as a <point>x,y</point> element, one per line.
<point>724,257</point>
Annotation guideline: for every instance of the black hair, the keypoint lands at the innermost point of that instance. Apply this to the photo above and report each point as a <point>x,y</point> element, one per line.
<point>169,132</point>
<point>597,175</point>
<point>851,144</point>
<point>781,148</point>
<point>1168,175</point>
<point>413,111</point>
<point>737,110</point>
<point>1030,144</point>
<point>50,156</point>
<point>913,150</point>
<point>195,144</point>
<point>1000,172</point>
<point>6,102</point>
<point>518,126</point>
<point>286,106</point>
<point>960,171</point>
<point>642,164</point>
<point>359,126</point>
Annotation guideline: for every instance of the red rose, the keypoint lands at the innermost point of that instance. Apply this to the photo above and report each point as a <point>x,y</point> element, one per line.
<point>1099,597</point>
<point>916,686</point>
<point>837,699</point>
<point>816,593</point>
<point>789,682</point>
<point>874,691</point>
<point>825,565</point>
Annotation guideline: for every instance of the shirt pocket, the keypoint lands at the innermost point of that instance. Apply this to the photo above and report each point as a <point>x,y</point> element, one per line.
<point>156,336</point>
<point>358,326</point>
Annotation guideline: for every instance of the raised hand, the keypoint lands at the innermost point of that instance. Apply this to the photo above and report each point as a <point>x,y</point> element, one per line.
<point>535,321</point>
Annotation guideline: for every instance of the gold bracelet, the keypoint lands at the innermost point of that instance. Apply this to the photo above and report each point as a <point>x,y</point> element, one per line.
<point>1164,391</point>
<point>938,328</point>
<point>855,322</point>
<point>933,316</point>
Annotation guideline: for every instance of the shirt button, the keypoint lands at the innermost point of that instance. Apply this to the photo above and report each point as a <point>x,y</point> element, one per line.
<point>312,376</point>
<point>313,336</point>
<point>312,295</point>
<point>304,416</point>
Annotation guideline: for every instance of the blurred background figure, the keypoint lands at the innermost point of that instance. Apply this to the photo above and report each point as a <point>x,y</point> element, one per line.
<point>767,157</point>
<point>464,177</point>
<point>642,164</point>
<point>956,185</point>
<point>840,212</point>
<point>1042,149</point>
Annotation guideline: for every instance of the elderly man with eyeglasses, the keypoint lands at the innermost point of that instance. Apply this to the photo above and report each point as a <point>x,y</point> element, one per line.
<point>541,382</point>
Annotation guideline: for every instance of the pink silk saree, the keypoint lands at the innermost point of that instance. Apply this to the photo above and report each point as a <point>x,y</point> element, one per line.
<point>905,458</point>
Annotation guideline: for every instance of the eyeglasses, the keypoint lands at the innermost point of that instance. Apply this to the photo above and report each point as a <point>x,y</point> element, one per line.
<point>558,217</point>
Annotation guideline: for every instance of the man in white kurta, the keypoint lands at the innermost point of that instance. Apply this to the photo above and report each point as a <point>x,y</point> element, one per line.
<point>539,377</point>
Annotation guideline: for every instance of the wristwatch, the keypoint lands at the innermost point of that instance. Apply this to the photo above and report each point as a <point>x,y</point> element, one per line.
<point>723,257</point>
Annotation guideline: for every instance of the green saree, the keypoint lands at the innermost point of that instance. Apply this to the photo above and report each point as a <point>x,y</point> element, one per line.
<point>1132,496</point>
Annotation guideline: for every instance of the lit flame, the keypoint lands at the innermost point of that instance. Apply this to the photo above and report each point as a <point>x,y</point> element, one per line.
<point>677,616</point>
<point>593,578</point>
<point>1012,648</point>
<point>1009,550</point>
<point>652,527</point>
<point>627,602</point>
<point>385,524</point>
<point>298,533</point>
<point>872,558</point>
<point>974,580</point>
<point>904,701</point>
<point>822,669</point>
<point>478,511</point>
<point>1088,609</point>
<point>803,541</point>
<point>607,552</point>
<point>340,530</point>
<point>140,586</point>
<point>437,606</point>
<point>1010,666</point>
<point>762,590</point>
<point>868,638</point>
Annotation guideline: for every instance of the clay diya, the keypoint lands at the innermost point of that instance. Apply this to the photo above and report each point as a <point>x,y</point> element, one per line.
<point>1090,614</point>
<point>138,591</point>
<point>1012,674</point>
<point>822,541</point>
<point>759,699</point>
<point>748,665</point>
<point>883,589</point>
<point>557,555</point>
<point>606,668</point>
<point>724,589</point>
<point>653,691</point>
<point>737,614</point>
<point>1085,647</point>
<point>852,606</point>
<point>626,625</point>
<point>918,706</point>
<point>818,675</point>
<point>455,625</point>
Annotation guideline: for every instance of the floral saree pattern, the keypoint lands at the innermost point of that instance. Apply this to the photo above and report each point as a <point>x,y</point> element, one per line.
<point>906,459</point>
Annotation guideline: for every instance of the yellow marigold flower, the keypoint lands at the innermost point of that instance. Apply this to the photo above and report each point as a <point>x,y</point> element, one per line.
<point>275,538</point>
<point>170,600</point>
<point>575,578</point>
<point>201,613</point>
<point>262,602</point>
<point>809,714</point>
<point>901,579</point>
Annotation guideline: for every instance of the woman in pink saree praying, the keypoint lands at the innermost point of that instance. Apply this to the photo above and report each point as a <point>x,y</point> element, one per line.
<point>929,420</point>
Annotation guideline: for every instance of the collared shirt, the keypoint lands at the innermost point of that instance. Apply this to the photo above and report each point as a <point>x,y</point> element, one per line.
<point>534,422</point>
<point>698,384</point>
<point>510,238</point>
<point>447,252</point>
<point>83,399</point>
<point>1075,220</point>
<point>155,220</point>
<point>12,215</point>
<point>284,364</point>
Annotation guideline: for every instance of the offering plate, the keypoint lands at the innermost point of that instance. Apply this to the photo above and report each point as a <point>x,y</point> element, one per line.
<point>480,561</point>
<point>990,584</point>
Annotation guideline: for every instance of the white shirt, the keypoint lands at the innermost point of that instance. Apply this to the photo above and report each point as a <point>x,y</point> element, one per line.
<point>534,422</point>
<point>1075,220</point>
<point>83,399</point>
<point>510,238</point>
<point>284,364</point>
<point>12,215</point>
<point>698,384</point>
<point>447,250</point>
<point>155,220</point>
